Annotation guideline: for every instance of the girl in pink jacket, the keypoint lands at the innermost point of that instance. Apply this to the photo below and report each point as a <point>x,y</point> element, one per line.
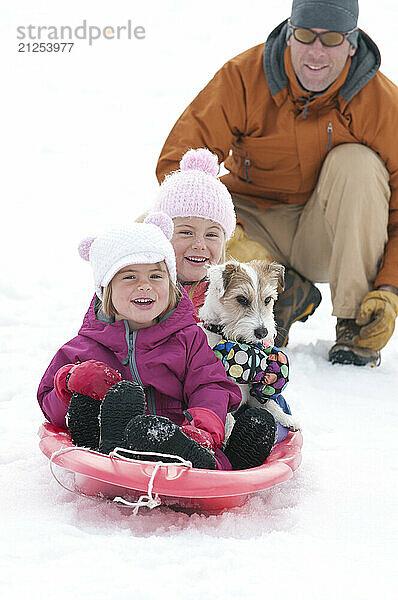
<point>140,373</point>
<point>204,219</point>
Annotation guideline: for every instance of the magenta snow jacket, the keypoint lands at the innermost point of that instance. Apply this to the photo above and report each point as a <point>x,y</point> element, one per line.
<point>171,359</point>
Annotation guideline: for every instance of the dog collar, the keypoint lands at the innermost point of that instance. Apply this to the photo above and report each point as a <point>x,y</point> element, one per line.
<point>219,330</point>
<point>213,328</point>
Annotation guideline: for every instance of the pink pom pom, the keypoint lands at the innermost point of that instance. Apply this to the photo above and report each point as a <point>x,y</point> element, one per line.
<point>84,248</point>
<point>162,221</point>
<point>200,160</point>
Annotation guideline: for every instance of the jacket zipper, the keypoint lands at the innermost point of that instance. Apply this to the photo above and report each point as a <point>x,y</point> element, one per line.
<point>130,359</point>
<point>150,399</point>
<point>247,165</point>
<point>330,131</point>
<point>304,115</point>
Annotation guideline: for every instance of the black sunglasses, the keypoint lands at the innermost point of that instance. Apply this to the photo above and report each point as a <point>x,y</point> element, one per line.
<point>328,38</point>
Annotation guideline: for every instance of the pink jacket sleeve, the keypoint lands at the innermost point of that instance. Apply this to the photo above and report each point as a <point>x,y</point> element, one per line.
<point>208,421</point>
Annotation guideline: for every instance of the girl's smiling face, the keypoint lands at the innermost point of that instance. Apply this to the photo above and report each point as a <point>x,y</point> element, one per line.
<point>197,243</point>
<point>140,294</point>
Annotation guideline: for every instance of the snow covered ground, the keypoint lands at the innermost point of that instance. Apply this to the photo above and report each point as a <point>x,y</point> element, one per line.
<point>81,134</point>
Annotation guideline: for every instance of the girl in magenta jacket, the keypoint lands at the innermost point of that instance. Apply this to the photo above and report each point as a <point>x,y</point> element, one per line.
<point>140,373</point>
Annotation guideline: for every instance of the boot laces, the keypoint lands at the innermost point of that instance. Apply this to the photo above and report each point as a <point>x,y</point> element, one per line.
<point>346,330</point>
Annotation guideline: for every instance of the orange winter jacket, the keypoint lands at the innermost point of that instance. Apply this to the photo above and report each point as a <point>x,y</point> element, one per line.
<point>274,136</point>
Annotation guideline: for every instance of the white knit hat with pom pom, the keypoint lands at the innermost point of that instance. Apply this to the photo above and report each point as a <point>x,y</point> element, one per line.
<point>139,243</point>
<point>196,191</point>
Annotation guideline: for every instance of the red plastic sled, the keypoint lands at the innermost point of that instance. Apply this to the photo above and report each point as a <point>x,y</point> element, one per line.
<point>123,479</point>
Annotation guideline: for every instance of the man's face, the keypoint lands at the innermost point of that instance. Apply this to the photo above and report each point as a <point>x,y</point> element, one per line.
<point>318,66</point>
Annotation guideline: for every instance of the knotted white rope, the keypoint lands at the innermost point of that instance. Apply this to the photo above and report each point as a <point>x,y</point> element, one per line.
<point>148,500</point>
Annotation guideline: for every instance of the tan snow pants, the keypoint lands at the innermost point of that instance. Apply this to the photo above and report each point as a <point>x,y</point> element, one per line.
<point>339,235</point>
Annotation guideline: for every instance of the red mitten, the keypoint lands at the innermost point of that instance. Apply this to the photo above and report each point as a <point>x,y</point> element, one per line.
<point>92,378</point>
<point>60,384</point>
<point>203,438</point>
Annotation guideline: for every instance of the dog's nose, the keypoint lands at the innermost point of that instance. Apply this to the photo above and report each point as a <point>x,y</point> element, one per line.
<point>261,332</point>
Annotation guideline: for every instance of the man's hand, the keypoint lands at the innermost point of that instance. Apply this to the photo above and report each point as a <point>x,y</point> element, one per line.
<point>376,318</point>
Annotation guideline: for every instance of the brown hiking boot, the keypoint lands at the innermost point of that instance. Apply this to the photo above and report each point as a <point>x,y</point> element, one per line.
<point>344,351</point>
<point>297,302</point>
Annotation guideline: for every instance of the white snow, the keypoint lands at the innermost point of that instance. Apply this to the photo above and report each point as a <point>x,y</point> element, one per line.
<point>81,133</point>
<point>161,432</point>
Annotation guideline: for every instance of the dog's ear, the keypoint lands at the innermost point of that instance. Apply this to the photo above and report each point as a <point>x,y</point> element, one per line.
<point>230,268</point>
<point>220,277</point>
<point>280,272</point>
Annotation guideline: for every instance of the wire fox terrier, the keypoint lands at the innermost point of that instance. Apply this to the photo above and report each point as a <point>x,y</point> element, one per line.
<point>239,306</point>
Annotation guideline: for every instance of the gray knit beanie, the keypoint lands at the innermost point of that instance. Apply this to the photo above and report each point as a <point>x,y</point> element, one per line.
<point>334,15</point>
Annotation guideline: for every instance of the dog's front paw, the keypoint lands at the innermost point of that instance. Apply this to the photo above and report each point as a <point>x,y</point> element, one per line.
<point>290,423</point>
<point>229,425</point>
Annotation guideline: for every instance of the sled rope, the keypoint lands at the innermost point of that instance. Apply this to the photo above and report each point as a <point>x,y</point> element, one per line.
<point>65,451</point>
<point>148,500</point>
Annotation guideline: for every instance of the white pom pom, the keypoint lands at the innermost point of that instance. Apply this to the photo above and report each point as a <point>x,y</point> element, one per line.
<point>162,221</point>
<point>84,248</point>
<point>200,160</point>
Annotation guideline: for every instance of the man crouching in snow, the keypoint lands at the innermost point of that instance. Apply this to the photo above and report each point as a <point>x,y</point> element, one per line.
<point>307,127</point>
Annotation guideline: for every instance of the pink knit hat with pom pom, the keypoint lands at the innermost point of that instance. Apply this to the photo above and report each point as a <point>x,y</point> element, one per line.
<point>139,243</point>
<point>196,191</point>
